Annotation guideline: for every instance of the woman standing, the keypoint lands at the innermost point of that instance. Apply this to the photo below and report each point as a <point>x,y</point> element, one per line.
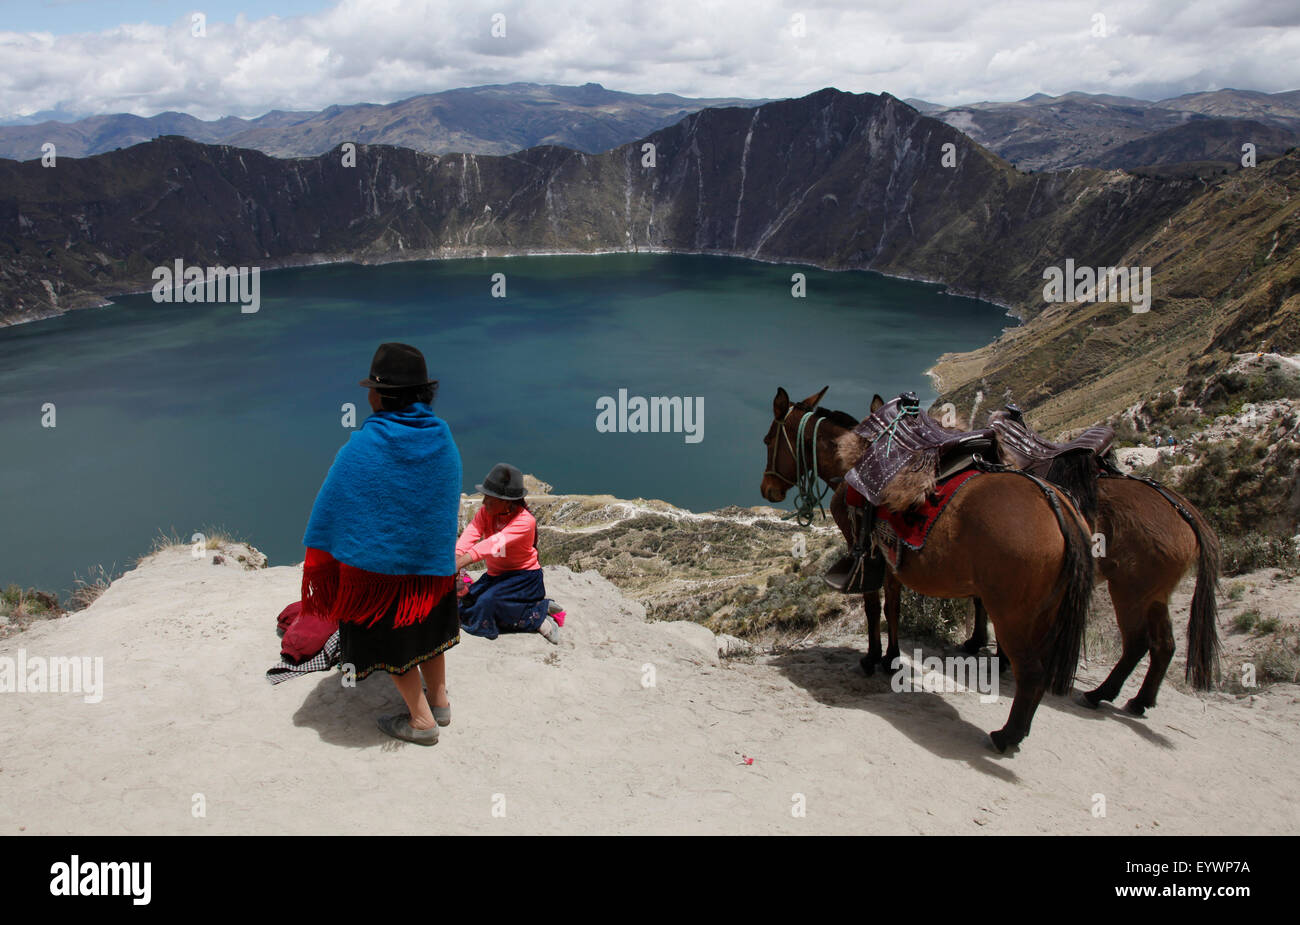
<point>381,543</point>
<point>511,597</point>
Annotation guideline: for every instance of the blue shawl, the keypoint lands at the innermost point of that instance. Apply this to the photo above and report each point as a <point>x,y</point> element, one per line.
<point>391,500</point>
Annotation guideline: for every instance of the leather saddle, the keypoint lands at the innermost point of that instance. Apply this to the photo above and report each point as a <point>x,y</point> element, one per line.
<point>901,437</point>
<point>1024,449</point>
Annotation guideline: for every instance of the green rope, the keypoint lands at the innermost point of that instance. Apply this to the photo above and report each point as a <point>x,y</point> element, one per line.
<point>903,409</point>
<point>809,500</point>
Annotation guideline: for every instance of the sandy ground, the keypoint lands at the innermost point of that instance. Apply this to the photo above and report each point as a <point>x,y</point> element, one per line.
<point>570,739</point>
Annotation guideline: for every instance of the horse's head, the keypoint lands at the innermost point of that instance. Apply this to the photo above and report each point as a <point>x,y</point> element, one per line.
<point>782,465</point>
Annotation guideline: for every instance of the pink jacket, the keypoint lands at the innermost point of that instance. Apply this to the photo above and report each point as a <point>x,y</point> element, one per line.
<point>504,546</point>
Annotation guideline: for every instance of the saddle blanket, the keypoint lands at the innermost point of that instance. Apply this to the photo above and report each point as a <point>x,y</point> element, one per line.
<point>911,527</point>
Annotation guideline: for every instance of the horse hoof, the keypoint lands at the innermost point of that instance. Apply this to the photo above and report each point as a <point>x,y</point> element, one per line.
<point>868,664</point>
<point>971,647</point>
<point>1093,698</point>
<point>1135,708</point>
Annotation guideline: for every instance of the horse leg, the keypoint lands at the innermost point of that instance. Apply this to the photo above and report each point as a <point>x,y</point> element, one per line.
<point>979,637</point>
<point>846,520</point>
<point>1133,629</point>
<point>871,605</point>
<point>1160,631</point>
<point>1031,683</point>
<point>893,603</point>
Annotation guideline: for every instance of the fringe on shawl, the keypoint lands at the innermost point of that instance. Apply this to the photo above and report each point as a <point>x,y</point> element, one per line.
<point>338,591</point>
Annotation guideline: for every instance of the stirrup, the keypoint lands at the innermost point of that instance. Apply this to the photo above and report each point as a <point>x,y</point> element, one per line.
<point>844,575</point>
<point>857,574</point>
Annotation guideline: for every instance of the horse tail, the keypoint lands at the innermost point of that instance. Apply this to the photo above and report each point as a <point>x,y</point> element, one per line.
<point>1203,622</point>
<point>1077,474</point>
<point>1074,592</point>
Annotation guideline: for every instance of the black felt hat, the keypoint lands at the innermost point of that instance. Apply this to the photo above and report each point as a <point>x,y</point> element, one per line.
<point>504,482</point>
<point>397,366</point>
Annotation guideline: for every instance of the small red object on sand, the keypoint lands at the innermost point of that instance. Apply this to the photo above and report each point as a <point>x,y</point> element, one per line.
<point>746,759</point>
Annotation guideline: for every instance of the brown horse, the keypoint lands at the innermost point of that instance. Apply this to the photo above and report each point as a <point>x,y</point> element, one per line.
<point>1152,536</point>
<point>1020,547</point>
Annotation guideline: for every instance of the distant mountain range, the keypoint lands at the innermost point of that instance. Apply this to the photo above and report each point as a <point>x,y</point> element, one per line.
<point>1044,132</point>
<point>1201,132</point>
<point>475,120</point>
<point>832,179</point>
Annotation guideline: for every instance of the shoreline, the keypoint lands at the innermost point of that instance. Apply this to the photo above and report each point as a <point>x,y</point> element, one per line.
<point>104,300</point>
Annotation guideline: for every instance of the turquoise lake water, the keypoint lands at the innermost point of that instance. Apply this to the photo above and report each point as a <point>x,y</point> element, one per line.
<point>183,417</point>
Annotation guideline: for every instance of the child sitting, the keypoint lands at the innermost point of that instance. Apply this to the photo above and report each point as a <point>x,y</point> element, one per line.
<point>511,596</point>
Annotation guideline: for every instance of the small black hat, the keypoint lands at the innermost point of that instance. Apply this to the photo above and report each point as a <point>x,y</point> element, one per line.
<point>397,366</point>
<point>504,482</point>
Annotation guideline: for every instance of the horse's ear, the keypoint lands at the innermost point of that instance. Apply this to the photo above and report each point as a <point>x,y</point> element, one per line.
<point>876,404</point>
<point>812,401</point>
<point>780,404</point>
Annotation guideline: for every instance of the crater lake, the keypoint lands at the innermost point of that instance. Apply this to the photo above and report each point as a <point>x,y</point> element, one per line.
<point>172,418</point>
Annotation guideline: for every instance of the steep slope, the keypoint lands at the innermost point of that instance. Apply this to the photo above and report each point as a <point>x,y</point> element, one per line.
<point>1225,276</point>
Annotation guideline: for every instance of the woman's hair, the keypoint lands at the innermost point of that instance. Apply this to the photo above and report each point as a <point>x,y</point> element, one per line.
<point>397,399</point>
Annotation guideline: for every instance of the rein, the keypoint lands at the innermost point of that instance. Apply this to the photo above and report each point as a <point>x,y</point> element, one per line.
<point>808,499</point>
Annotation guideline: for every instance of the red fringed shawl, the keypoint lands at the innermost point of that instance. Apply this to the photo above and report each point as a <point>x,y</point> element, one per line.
<point>337,591</point>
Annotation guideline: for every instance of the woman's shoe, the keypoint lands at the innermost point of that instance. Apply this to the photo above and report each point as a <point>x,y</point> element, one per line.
<point>441,715</point>
<point>550,631</point>
<point>556,613</point>
<point>399,727</point>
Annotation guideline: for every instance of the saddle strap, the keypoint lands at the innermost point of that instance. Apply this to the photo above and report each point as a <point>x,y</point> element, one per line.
<point>1108,471</point>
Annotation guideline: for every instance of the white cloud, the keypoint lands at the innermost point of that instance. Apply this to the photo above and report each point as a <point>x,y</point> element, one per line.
<point>382,50</point>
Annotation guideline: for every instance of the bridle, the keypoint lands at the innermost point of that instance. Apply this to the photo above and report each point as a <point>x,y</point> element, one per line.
<point>808,499</point>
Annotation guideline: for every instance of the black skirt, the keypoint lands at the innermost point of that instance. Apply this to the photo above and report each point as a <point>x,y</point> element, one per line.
<point>396,650</point>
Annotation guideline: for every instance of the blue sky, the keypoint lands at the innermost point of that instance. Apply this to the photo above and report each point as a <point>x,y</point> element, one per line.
<point>139,56</point>
<point>62,17</point>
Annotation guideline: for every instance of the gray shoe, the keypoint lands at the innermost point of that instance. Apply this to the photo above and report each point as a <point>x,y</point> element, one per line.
<point>550,631</point>
<point>441,715</point>
<point>399,727</point>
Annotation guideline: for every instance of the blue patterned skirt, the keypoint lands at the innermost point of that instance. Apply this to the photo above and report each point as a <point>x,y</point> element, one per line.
<point>512,602</point>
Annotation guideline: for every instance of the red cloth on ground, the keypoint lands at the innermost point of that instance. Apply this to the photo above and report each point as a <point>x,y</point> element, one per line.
<point>913,525</point>
<point>287,616</point>
<point>305,633</point>
<point>338,592</point>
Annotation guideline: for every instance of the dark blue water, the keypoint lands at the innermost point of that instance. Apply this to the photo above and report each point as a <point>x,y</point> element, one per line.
<point>183,418</point>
